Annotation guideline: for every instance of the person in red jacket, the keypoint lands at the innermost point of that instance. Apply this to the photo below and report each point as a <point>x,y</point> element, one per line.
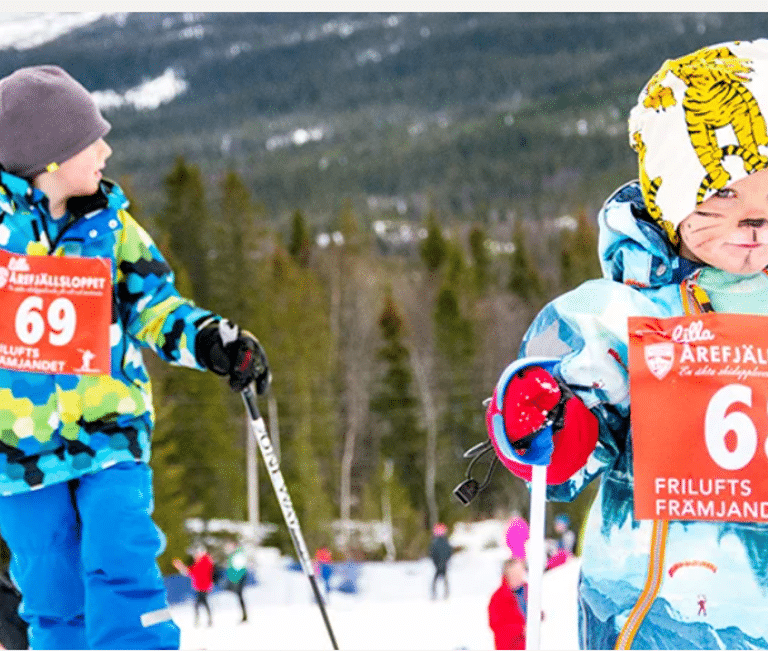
<point>201,574</point>
<point>507,608</point>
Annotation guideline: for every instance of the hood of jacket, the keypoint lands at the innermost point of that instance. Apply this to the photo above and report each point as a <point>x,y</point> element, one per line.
<point>633,249</point>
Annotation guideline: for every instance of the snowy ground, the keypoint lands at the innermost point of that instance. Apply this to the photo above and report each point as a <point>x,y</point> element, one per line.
<point>391,611</point>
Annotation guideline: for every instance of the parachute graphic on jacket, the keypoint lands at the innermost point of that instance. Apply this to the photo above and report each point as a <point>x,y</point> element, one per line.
<point>693,562</point>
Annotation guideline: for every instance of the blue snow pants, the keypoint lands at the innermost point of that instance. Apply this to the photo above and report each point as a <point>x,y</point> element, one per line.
<point>84,557</point>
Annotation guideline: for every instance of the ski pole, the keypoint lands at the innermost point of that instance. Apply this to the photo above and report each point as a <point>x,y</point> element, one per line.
<point>259,431</point>
<point>535,555</point>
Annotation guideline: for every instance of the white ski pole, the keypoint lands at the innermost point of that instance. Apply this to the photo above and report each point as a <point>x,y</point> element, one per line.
<point>535,555</point>
<point>259,431</point>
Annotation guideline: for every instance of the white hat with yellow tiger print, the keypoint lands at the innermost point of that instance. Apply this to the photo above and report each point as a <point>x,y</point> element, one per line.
<point>699,126</point>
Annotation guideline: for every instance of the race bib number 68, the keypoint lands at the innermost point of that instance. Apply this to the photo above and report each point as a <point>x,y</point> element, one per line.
<point>57,312</point>
<point>699,396</point>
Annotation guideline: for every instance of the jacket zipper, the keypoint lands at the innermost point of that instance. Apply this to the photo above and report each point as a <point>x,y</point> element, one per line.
<point>651,589</point>
<point>695,301</point>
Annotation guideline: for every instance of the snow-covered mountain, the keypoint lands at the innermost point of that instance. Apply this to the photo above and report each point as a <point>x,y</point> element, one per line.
<point>315,106</point>
<point>25,30</point>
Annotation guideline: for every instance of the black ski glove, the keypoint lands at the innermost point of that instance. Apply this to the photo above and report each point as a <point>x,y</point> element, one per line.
<point>227,350</point>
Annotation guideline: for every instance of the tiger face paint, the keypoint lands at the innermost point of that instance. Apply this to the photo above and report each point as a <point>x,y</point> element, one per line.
<point>730,229</point>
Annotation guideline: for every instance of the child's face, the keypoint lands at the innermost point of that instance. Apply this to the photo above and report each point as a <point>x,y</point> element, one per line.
<point>516,574</point>
<point>80,175</point>
<point>730,229</point>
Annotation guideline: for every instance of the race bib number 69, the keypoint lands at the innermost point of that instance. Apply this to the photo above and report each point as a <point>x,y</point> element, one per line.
<point>57,312</point>
<point>699,396</point>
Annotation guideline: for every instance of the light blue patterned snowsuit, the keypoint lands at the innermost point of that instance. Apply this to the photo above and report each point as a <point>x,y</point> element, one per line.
<point>587,329</point>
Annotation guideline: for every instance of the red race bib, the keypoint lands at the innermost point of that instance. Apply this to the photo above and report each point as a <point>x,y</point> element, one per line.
<point>699,395</point>
<point>56,314</point>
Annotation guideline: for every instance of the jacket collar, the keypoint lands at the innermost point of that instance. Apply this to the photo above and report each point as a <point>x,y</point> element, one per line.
<point>16,192</point>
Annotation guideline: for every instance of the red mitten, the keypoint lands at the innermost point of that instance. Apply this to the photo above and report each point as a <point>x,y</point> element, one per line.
<point>538,420</point>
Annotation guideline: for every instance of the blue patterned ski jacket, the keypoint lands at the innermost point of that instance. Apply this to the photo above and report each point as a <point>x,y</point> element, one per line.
<point>627,596</point>
<point>54,428</point>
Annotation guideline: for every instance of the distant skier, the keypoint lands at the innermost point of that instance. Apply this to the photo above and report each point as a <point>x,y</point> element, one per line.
<point>702,602</point>
<point>440,551</point>
<point>75,484</point>
<point>201,572</point>
<point>237,574</point>
<point>324,567</point>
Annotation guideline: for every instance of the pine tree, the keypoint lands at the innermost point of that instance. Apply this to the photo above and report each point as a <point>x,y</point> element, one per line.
<point>578,254</point>
<point>237,237</point>
<point>201,440</point>
<point>524,280</point>
<point>172,499</point>
<point>433,247</point>
<point>185,219</point>
<point>292,323</point>
<point>299,245</point>
<point>195,418</point>
<point>396,409</point>
<point>480,259</point>
<point>236,243</point>
<point>454,337</point>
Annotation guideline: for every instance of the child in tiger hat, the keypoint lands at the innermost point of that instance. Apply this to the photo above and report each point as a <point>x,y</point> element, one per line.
<point>690,236</point>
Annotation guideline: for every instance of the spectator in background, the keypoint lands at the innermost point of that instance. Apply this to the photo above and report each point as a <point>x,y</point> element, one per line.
<point>560,550</point>
<point>440,552</point>
<point>324,567</point>
<point>507,608</point>
<point>201,574</point>
<point>237,573</point>
<point>567,538</point>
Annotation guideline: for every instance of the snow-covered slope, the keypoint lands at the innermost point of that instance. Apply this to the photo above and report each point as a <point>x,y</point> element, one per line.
<point>391,611</point>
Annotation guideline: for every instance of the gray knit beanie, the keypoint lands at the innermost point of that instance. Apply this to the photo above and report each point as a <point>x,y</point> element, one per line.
<point>46,117</point>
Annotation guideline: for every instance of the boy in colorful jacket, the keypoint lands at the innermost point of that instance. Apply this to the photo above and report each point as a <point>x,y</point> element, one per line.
<point>83,289</point>
<point>690,237</point>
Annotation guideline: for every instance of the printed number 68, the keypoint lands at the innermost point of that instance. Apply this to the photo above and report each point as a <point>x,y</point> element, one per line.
<point>717,424</point>
<point>30,325</point>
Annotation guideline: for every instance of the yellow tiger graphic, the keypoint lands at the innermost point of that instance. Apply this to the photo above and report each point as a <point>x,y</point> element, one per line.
<point>651,188</point>
<point>715,97</point>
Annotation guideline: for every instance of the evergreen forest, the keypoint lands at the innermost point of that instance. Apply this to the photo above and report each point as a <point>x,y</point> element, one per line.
<point>382,348</point>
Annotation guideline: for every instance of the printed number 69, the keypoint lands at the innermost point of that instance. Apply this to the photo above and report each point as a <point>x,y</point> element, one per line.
<point>61,320</point>
<point>717,424</point>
